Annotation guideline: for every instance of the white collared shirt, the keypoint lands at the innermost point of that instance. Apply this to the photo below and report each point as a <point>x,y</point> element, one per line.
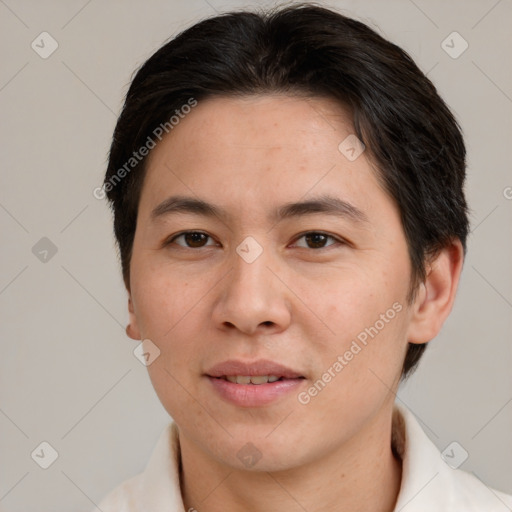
<point>428,484</point>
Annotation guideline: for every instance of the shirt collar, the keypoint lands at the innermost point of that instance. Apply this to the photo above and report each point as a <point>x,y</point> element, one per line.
<point>426,479</point>
<point>161,478</point>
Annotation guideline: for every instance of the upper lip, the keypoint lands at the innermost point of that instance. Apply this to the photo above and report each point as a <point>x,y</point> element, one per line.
<point>256,368</point>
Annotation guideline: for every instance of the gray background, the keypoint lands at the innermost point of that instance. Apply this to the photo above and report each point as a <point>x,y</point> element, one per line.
<point>68,375</point>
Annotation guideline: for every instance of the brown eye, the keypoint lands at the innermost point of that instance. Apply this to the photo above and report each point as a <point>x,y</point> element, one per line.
<point>317,240</point>
<point>193,239</point>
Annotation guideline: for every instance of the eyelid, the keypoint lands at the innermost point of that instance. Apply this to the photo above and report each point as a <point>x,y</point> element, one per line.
<point>317,232</point>
<point>338,239</point>
<point>172,238</point>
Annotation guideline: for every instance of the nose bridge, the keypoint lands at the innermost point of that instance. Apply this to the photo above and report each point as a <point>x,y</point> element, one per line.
<point>250,295</point>
<point>250,276</point>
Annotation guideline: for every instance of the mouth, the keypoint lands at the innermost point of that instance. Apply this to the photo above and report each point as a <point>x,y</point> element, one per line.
<point>242,372</point>
<point>253,384</point>
<point>253,379</point>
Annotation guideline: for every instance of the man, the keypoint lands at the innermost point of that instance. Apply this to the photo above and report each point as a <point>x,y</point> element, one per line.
<point>288,202</point>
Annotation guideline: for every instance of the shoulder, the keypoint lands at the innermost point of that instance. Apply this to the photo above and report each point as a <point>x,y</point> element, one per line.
<point>429,483</point>
<point>469,494</point>
<point>122,498</point>
<point>155,488</point>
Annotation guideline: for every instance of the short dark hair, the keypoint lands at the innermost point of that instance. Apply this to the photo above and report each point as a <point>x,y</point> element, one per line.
<point>409,132</point>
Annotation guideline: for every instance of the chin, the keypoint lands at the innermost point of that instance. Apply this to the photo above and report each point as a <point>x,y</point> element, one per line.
<point>260,453</point>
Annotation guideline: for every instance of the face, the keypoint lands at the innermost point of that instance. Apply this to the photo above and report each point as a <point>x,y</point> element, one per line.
<point>319,287</point>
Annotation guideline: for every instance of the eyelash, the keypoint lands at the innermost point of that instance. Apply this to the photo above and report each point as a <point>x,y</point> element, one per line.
<point>302,235</point>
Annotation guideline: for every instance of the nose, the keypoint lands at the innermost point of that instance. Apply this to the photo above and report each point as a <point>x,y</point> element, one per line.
<point>253,295</point>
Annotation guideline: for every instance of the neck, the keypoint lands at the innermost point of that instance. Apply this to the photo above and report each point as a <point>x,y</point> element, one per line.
<point>360,475</point>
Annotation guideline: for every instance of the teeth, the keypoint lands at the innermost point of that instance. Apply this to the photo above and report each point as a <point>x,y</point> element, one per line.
<point>260,379</point>
<point>246,379</point>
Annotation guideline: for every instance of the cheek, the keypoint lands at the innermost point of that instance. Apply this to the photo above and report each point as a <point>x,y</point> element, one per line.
<point>161,300</point>
<point>168,310</point>
<point>171,382</point>
<point>368,317</point>
<point>353,299</point>
<point>359,371</point>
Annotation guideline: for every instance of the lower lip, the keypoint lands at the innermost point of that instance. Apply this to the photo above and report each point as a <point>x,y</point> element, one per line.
<point>254,395</point>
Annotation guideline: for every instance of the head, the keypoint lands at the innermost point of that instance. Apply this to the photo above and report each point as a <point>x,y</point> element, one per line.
<point>253,112</point>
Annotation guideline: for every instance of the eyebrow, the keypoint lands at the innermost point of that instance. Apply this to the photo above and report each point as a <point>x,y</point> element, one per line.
<point>325,204</point>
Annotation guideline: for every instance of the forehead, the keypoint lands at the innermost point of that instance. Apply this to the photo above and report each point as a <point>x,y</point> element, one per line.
<point>258,150</point>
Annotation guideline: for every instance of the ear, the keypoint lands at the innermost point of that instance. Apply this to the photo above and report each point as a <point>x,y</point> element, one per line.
<point>435,296</point>
<point>132,329</point>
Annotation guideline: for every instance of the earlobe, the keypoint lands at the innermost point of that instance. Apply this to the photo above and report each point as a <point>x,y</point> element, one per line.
<point>132,330</point>
<point>435,297</point>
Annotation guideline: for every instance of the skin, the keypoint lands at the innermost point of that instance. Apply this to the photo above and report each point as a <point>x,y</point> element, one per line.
<point>300,303</point>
